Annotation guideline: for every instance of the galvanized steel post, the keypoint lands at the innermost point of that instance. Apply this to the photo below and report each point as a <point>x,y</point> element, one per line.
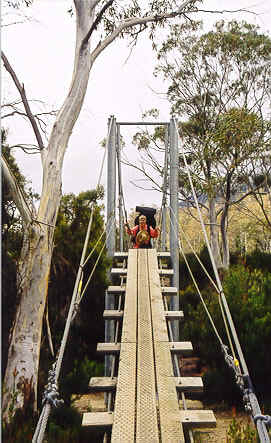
<point>174,218</point>
<point>120,197</point>
<point>110,226</point>
<point>165,186</point>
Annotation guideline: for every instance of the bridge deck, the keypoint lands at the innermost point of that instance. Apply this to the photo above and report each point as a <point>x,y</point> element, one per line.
<point>146,406</point>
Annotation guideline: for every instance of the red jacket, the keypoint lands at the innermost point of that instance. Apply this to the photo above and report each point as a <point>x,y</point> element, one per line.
<point>153,232</point>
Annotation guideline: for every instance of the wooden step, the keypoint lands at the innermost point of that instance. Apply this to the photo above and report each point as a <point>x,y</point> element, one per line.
<point>179,347</point>
<point>121,255</point>
<point>198,419</point>
<point>161,254</point>
<point>108,348</point>
<point>119,271</point>
<point>163,272</point>
<point>98,421</point>
<point>169,290</point>
<point>123,271</point>
<point>116,290</point>
<point>174,315</point>
<point>111,314</point>
<point>166,290</point>
<point>103,384</point>
<point>103,421</point>
<point>189,384</point>
<point>183,384</point>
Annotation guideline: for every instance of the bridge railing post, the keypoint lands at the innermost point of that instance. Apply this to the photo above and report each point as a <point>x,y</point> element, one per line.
<point>165,188</point>
<point>174,218</point>
<point>110,226</point>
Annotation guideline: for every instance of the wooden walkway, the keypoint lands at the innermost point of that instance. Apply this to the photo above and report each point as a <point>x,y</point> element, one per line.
<point>146,406</point>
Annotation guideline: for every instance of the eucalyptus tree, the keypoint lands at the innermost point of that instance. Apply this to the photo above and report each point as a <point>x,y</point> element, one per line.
<point>219,87</point>
<point>98,24</point>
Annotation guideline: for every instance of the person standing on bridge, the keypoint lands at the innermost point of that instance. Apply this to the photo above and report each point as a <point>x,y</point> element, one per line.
<point>142,233</point>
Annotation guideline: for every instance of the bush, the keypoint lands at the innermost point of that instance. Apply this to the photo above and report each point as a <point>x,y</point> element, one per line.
<point>76,381</point>
<point>239,433</point>
<point>248,295</point>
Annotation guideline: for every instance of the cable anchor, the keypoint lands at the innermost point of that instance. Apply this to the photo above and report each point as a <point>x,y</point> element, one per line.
<point>265,418</point>
<point>51,394</point>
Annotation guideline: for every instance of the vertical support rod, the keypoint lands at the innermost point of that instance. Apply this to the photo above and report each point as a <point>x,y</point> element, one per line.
<point>165,188</point>
<point>174,219</point>
<point>110,226</point>
<point>120,197</point>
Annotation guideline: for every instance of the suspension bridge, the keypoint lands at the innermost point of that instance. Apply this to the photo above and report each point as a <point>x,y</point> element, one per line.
<point>145,388</point>
<point>146,393</point>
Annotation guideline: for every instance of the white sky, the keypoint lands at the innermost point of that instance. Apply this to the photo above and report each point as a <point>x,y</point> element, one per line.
<point>41,53</point>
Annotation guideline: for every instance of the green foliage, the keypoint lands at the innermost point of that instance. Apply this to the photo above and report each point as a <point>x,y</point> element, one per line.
<point>64,425</point>
<point>77,380</point>
<point>88,326</point>
<point>21,429</point>
<point>248,295</point>
<point>239,433</point>
<point>218,89</point>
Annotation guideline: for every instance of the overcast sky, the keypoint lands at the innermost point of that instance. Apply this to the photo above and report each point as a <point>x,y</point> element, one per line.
<point>41,52</point>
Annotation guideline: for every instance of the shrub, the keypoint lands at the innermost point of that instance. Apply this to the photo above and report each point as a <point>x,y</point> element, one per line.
<point>248,295</point>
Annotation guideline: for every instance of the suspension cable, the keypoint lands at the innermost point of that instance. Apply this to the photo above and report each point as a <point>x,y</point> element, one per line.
<point>157,242</point>
<point>197,288</point>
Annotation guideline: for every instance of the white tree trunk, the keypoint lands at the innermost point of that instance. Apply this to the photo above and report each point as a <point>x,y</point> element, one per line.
<point>224,237</point>
<point>20,383</point>
<point>214,233</point>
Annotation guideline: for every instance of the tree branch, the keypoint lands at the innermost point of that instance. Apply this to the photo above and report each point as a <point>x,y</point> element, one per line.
<point>95,23</point>
<point>129,23</point>
<point>25,101</point>
<point>16,193</point>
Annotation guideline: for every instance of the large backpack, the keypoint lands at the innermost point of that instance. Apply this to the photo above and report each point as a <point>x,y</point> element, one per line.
<point>149,213</point>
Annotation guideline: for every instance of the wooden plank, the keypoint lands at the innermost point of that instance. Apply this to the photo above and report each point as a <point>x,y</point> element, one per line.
<point>116,290</point>
<point>166,290</point>
<point>125,400</point>
<point>112,314</point>
<point>129,324</point>
<point>169,290</point>
<point>123,271</point>
<point>173,315</point>
<point>170,426</point>
<point>103,384</point>
<point>181,347</point>
<point>164,272</point>
<point>98,421</point>
<point>108,348</point>
<point>119,254</point>
<point>189,384</point>
<point>146,413</point>
<point>160,254</point>
<point>163,254</point>
<point>119,271</point>
<point>198,419</point>
<point>183,384</point>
